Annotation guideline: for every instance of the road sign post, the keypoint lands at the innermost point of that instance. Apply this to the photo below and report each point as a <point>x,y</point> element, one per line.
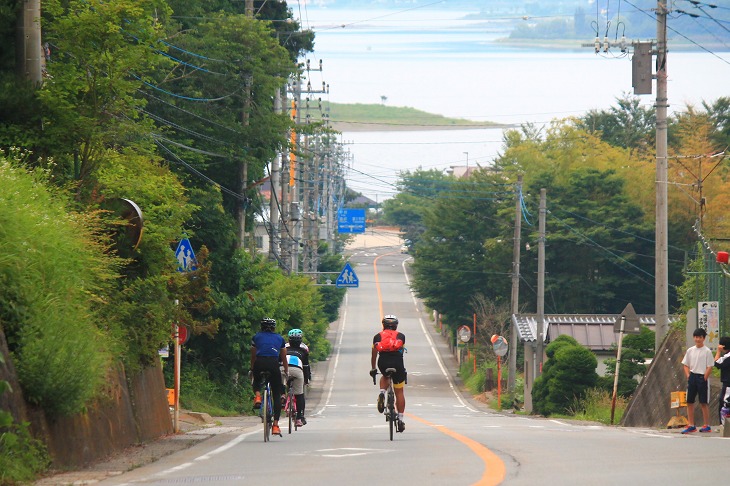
<point>347,277</point>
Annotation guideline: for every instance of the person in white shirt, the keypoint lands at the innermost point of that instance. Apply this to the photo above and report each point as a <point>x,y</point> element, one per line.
<point>698,363</point>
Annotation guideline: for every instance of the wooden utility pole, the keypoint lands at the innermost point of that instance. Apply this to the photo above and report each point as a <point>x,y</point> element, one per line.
<point>515,308</point>
<point>661,285</point>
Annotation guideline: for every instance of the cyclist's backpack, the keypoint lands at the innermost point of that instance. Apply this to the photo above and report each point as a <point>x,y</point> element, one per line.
<point>389,341</point>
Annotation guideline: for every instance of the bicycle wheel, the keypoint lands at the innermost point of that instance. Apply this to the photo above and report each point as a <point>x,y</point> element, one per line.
<point>392,417</point>
<point>289,411</point>
<point>294,411</point>
<point>266,406</point>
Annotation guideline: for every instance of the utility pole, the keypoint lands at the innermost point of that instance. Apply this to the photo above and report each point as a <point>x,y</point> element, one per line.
<point>29,60</point>
<point>661,285</point>
<point>274,201</point>
<point>248,8</point>
<point>541,282</point>
<point>515,308</point>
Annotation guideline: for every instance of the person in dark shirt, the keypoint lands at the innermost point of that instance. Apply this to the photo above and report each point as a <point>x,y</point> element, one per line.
<point>268,349</point>
<point>722,362</point>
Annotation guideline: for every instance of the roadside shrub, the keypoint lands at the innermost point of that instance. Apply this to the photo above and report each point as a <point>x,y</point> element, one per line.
<point>569,372</point>
<point>53,276</point>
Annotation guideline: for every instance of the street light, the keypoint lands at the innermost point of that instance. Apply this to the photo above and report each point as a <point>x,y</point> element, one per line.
<point>467,160</point>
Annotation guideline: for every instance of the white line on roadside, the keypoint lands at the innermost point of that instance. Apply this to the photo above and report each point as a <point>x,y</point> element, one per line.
<point>433,347</point>
<point>337,359</point>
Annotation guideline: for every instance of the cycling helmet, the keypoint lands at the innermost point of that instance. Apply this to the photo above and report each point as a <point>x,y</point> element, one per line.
<point>295,336</point>
<point>268,324</point>
<point>390,322</point>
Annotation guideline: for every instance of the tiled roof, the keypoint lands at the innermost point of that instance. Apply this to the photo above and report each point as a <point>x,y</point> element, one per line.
<point>595,331</point>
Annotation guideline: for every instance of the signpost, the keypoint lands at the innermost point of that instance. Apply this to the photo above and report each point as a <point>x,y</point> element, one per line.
<point>500,346</point>
<point>187,262</point>
<point>347,277</point>
<point>627,323</point>
<point>708,318</point>
<point>351,221</point>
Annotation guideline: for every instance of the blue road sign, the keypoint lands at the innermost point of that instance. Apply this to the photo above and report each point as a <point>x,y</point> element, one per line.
<point>185,257</point>
<point>347,278</point>
<point>351,221</point>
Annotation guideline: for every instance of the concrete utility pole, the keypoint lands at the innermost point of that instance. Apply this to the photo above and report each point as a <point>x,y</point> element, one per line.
<point>541,282</point>
<point>512,368</point>
<point>661,296</point>
<point>274,201</point>
<point>29,59</point>
<point>248,8</point>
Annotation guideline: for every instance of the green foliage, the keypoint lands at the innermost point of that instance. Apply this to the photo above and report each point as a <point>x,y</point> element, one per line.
<point>596,406</point>
<point>22,458</point>
<point>393,115</point>
<point>568,374</point>
<point>53,278</point>
<point>198,392</point>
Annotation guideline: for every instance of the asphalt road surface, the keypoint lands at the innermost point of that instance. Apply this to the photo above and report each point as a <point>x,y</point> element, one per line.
<point>449,438</point>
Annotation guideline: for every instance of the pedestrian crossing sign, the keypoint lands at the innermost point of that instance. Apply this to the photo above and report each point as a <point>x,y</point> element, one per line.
<point>347,277</point>
<point>185,257</point>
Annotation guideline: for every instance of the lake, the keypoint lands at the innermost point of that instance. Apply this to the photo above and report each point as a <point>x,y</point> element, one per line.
<point>435,61</point>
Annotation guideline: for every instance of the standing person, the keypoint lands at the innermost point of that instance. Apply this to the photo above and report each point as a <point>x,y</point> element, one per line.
<point>268,349</point>
<point>388,349</point>
<point>698,363</point>
<point>297,355</point>
<point>722,362</point>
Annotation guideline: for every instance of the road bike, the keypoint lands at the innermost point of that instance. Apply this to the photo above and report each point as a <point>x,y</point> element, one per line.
<point>266,412</point>
<point>391,414</point>
<point>290,407</point>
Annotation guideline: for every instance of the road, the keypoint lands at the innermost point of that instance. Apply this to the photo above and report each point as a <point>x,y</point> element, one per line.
<point>449,438</point>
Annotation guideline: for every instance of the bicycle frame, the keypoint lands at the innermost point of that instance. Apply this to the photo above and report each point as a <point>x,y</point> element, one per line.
<point>266,412</point>
<point>391,412</point>
<point>291,406</point>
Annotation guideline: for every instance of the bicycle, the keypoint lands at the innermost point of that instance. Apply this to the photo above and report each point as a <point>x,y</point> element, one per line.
<point>391,414</point>
<point>290,407</point>
<point>266,412</point>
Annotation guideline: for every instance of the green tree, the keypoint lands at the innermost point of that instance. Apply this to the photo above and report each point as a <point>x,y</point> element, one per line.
<point>568,373</point>
<point>627,125</point>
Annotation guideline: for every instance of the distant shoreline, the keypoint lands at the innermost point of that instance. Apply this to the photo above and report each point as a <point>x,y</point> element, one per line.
<point>386,127</point>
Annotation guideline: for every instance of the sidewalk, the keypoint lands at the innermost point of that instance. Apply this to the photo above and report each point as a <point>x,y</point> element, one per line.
<point>194,428</point>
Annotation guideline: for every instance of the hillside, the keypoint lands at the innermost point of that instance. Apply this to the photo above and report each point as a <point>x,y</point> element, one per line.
<point>375,118</point>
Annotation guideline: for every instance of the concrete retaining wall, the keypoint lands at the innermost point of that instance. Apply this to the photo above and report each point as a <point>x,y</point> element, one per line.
<point>131,410</point>
<point>650,405</point>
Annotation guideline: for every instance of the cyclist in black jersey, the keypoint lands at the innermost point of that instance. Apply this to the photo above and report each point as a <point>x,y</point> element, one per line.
<point>390,356</point>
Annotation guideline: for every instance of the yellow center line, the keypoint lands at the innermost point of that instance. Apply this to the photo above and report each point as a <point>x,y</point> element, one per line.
<point>494,469</point>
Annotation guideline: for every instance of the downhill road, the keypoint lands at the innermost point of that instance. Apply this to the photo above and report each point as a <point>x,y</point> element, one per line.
<point>449,438</point>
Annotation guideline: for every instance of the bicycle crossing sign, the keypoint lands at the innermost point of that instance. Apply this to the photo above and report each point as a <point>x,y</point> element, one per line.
<point>185,257</point>
<point>347,277</point>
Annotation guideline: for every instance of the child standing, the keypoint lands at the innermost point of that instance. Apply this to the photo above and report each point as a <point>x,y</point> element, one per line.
<point>698,362</point>
<point>722,362</point>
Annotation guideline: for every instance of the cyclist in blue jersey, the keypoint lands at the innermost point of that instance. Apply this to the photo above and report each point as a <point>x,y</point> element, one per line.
<point>268,349</point>
<point>298,358</point>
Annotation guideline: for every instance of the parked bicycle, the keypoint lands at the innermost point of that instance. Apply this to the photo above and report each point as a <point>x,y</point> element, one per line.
<point>290,406</point>
<point>391,413</point>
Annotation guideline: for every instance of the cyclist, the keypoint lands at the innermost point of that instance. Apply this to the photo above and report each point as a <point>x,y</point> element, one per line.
<point>267,350</point>
<point>298,357</point>
<point>388,350</point>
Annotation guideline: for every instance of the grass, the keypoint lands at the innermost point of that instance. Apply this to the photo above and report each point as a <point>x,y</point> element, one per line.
<point>596,407</point>
<point>365,114</point>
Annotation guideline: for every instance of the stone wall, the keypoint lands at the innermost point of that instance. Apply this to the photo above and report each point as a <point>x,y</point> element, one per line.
<point>650,405</point>
<point>131,410</point>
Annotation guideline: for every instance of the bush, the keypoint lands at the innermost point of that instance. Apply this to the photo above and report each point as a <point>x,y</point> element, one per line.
<point>53,276</point>
<point>567,375</point>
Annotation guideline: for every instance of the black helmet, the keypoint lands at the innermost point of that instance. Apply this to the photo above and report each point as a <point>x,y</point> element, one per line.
<point>268,324</point>
<point>390,322</point>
